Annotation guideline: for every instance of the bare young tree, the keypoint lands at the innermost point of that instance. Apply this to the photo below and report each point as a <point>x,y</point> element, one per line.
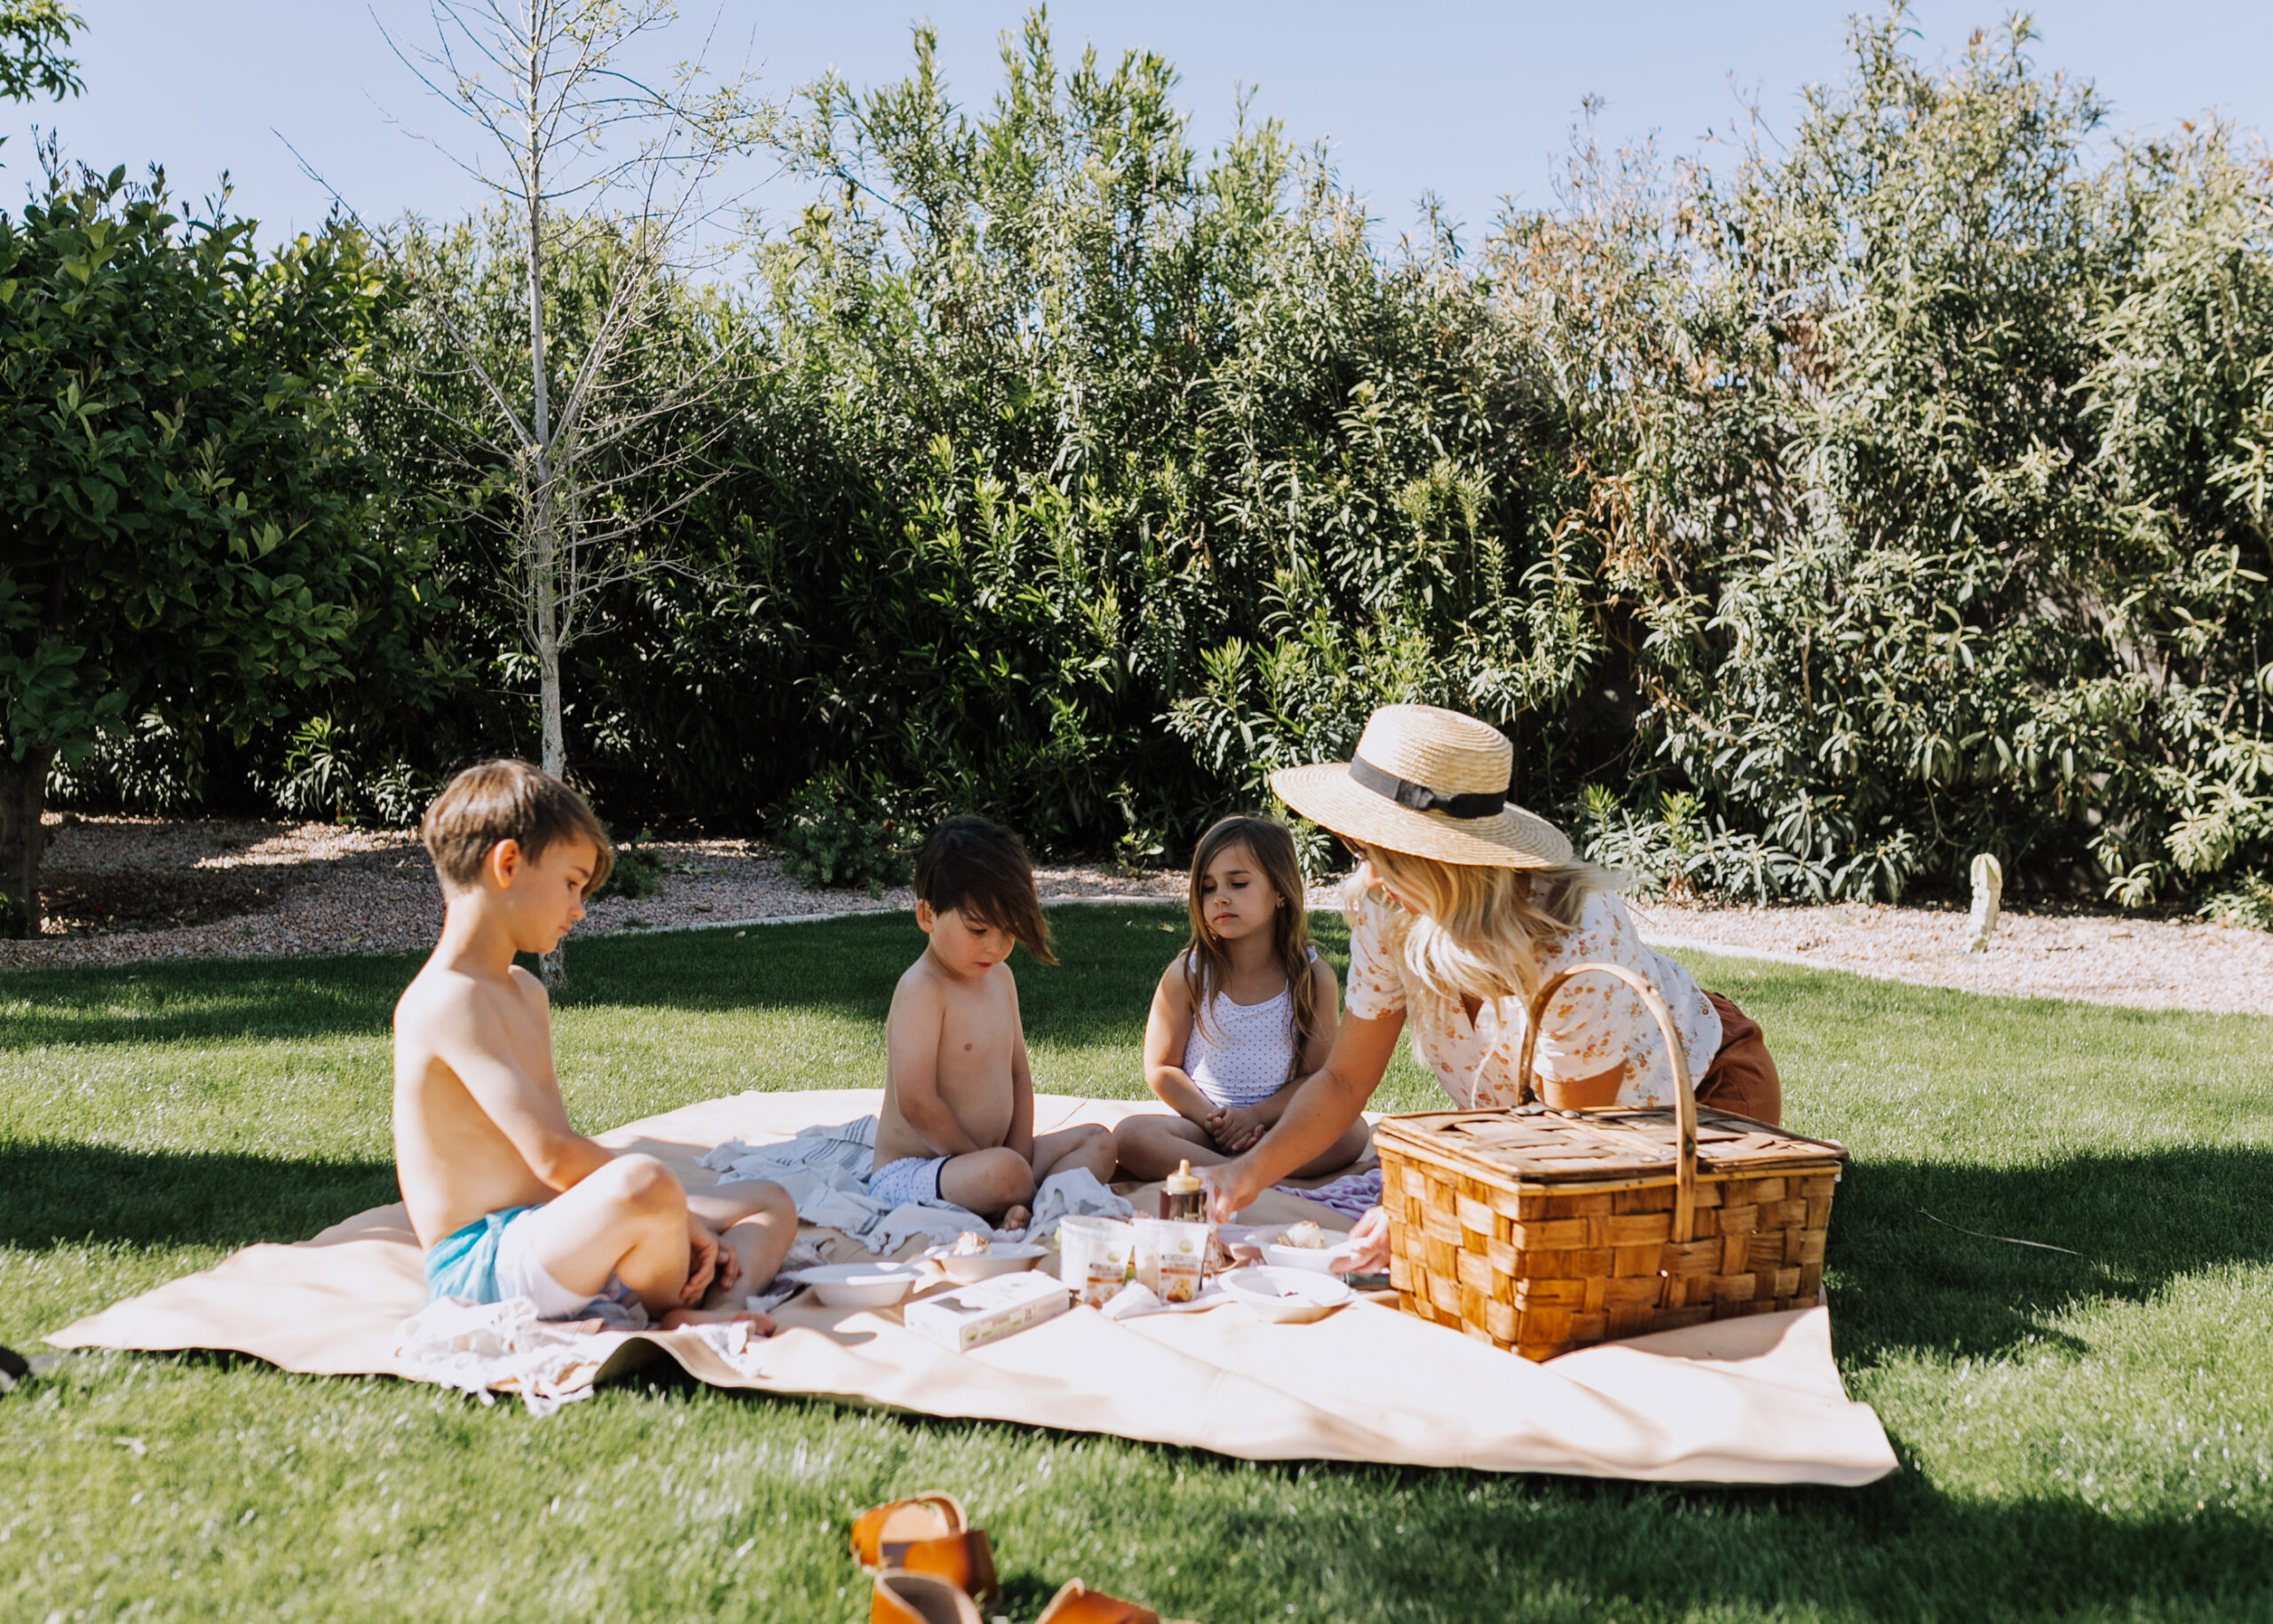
<point>595,427</point>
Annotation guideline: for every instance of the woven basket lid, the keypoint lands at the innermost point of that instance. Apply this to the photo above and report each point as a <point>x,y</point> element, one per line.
<point>1538,1146</point>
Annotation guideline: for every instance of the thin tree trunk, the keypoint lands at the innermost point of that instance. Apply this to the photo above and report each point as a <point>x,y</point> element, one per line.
<point>554,746</point>
<point>544,570</point>
<point>23,797</point>
<point>544,582</point>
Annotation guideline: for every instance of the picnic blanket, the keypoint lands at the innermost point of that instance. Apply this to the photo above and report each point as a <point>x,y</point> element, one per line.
<point>1752,1400</point>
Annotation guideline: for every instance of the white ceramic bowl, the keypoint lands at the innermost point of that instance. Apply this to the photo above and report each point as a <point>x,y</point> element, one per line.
<point>1318,1260</point>
<point>1000,1258</point>
<point>1284,1296</point>
<point>859,1285</point>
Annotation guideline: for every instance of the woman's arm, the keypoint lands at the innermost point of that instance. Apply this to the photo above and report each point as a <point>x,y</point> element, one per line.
<point>1168,1030</point>
<point>1327,1102</point>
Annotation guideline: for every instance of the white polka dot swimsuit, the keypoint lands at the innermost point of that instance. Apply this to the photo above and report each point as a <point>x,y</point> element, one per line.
<point>1250,1055</point>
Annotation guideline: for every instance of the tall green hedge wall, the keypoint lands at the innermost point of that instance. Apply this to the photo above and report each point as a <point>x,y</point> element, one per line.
<point>1894,491</point>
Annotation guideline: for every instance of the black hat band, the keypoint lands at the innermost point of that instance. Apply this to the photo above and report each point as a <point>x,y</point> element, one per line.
<point>1420,797</point>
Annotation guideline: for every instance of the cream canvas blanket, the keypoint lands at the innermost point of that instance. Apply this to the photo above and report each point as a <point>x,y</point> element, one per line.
<point>1754,1400</point>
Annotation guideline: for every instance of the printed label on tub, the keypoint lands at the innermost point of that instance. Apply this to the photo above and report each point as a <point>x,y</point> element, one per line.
<point>986,1310</point>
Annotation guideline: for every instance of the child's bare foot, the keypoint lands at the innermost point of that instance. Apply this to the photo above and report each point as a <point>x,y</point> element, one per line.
<point>1016,1218</point>
<point>679,1318</point>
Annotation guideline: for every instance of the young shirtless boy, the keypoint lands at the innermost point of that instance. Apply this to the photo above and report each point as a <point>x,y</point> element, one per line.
<point>507,1198</point>
<point>958,1116</point>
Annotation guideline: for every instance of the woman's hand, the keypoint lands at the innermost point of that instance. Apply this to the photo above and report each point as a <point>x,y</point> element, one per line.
<point>1369,1243</point>
<point>1230,1187</point>
<point>1234,1129</point>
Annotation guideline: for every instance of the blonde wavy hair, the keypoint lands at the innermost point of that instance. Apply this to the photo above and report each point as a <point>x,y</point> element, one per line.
<point>1478,931</point>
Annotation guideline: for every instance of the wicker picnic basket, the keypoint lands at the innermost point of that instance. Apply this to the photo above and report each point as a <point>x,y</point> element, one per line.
<point>1544,1230</point>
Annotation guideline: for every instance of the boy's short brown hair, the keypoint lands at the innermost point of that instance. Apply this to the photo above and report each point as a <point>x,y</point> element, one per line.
<point>979,869</point>
<point>507,800</point>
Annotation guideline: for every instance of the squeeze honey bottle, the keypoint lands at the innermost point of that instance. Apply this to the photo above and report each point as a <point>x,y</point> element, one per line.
<point>1181,1201</point>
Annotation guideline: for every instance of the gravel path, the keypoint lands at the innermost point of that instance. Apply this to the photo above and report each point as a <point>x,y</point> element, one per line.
<point>123,888</point>
<point>2095,958</point>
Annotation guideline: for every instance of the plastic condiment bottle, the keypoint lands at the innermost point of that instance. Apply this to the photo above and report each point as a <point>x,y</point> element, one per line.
<point>1181,1201</point>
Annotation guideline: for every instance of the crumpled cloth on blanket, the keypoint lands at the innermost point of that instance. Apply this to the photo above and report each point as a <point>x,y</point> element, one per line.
<point>825,1169</point>
<point>1355,1193</point>
<point>476,1347</point>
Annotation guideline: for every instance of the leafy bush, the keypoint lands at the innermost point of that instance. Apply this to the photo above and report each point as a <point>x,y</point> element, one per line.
<point>2249,904</point>
<point>1894,494</point>
<point>323,776</point>
<point>825,843</point>
<point>638,870</point>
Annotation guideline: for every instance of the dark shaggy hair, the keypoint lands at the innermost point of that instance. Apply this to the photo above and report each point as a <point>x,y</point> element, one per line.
<point>979,869</point>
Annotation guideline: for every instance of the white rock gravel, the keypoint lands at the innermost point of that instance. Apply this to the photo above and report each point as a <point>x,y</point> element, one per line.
<point>316,888</point>
<point>2094,958</point>
<point>277,888</point>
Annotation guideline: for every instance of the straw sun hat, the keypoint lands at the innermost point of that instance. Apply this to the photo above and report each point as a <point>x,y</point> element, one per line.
<point>1428,781</point>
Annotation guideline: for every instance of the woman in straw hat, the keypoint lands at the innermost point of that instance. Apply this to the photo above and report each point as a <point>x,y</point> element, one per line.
<point>1461,905</point>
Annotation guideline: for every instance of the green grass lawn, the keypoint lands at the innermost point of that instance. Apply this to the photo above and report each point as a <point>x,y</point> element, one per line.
<point>2086,1435</point>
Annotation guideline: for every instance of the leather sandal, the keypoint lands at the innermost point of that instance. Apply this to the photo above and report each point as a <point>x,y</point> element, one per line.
<point>901,1597</point>
<point>920,1516</point>
<point>1076,1604</point>
<point>927,1534</point>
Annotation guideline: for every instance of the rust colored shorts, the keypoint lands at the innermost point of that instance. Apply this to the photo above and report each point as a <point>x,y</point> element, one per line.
<point>1742,1078</point>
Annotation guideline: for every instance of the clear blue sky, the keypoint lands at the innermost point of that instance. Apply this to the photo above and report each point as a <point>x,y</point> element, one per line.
<point>1473,101</point>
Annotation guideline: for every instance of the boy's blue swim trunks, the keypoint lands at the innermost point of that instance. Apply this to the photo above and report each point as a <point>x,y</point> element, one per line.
<point>489,1260</point>
<point>463,1263</point>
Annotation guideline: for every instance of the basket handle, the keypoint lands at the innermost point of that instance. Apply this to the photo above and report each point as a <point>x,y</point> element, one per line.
<point>1684,1201</point>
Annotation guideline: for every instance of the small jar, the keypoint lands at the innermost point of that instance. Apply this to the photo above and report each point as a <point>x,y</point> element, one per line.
<point>1182,1200</point>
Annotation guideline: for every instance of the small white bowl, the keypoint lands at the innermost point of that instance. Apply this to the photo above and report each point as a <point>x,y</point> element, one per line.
<point>997,1259</point>
<point>1318,1260</point>
<point>859,1285</point>
<point>1284,1296</point>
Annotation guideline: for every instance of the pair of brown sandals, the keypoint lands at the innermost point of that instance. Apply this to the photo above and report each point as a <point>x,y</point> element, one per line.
<point>932,1567</point>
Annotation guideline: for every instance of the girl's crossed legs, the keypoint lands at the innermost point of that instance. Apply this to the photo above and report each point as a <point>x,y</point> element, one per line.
<point>1150,1147</point>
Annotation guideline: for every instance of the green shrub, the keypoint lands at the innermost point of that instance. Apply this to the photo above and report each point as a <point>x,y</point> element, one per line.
<point>2248,904</point>
<point>827,844</point>
<point>638,869</point>
<point>1894,493</point>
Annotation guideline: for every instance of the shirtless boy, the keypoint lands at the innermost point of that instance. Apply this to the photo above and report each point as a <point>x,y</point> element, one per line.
<point>507,1198</point>
<point>958,1116</point>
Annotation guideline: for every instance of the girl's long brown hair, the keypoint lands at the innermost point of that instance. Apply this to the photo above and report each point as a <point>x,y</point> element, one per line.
<point>1208,965</point>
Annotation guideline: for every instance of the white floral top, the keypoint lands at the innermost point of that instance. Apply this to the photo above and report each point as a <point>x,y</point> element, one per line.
<point>1594,1023</point>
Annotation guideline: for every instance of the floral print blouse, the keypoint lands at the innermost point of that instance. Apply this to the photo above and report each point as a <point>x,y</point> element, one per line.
<point>1593,1024</point>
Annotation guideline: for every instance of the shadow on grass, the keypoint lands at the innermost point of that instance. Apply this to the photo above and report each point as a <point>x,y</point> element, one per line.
<point>1900,1279</point>
<point>1409,1542</point>
<point>218,1001</point>
<point>1110,958</point>
<point>1899,1548</point>
<point>1098,993</point>
<point>55,1193</point>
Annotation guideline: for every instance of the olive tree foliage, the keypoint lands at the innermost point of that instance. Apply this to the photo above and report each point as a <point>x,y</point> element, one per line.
<point>1811,523</point>
<point>34,35</point>
<point>188,516</point>
<point>1811,526</point>
<point>1926,449</point>
<point>1162,475</point>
